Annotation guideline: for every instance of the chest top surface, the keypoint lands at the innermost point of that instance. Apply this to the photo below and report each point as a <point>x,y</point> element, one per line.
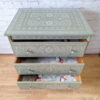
<point>48,21</point>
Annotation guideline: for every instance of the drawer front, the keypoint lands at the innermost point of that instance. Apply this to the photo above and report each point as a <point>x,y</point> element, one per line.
<point>69,49</point>
<point>29,82</point>
<point>31,85</point>
<point>28,69</point>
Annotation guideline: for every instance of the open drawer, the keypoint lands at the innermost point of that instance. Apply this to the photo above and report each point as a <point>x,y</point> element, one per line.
<point>49,48</point>
<point>49,65</point>
<point>30,82</point>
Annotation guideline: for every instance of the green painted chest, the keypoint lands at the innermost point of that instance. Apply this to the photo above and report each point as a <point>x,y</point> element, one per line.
<point>36,33</point>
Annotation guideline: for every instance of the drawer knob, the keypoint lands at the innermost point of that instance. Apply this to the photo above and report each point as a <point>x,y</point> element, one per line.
<point>31,70</point>
<point>73,51</point>
<point>70,71</point>
<point>73,72</point>
<point>29,51</point>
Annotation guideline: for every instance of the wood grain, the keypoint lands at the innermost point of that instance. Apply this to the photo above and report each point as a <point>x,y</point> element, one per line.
<point>90,90</point>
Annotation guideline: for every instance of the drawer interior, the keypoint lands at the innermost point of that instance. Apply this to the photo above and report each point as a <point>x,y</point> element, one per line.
<point>49,78</point>
<point>49,60</point>
<point>49,40</point>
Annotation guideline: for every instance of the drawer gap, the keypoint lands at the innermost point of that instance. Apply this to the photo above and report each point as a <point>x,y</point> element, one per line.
<point>51,40</point>
<point>53,60</point>
<point>49,78</point>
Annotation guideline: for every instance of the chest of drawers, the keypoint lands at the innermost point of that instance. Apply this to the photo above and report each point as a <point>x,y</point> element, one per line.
<point>39,36</point>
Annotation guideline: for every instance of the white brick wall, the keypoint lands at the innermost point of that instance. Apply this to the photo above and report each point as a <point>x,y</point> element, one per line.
<point>90,8</point>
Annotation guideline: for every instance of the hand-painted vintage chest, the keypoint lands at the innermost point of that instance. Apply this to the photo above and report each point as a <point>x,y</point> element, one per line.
<point>49,45</point>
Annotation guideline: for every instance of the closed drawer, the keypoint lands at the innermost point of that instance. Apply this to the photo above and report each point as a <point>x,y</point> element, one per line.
<point>28,82</point>
<point>49,48</point>
<point>51,65</point>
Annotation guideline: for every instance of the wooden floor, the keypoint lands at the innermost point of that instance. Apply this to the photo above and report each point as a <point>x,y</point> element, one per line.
<point>90,89</point>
